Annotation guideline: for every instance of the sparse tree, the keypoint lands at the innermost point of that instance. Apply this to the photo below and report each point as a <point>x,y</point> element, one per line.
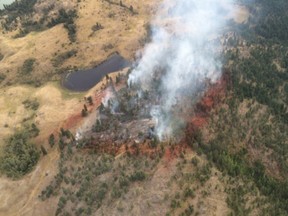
<point>90,100</point>
<point>83,113</point>
<point>51,140</point>
<point>61,144</point>
<point>44,152</point>
<point>117,79</point>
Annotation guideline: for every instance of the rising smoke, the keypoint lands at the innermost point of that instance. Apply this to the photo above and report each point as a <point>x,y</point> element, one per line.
<point>185,45</point>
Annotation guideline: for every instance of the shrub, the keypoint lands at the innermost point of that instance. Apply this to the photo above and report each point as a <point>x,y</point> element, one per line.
<point>32,104</point>
<point>188,192</point>
<point>84,113</point>
<point>194,161</point>
<point>188,211</point>
<point>34,130</point>
<point>2,77</point>
<point>62,57</point>
<point>51,140</point>
<point>27,66</point>
<point>44,152</point>
<point>1,56</point>
<point>137,176</point>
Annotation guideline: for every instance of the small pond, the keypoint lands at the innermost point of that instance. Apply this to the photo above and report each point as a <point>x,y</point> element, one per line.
<point>83,80</point>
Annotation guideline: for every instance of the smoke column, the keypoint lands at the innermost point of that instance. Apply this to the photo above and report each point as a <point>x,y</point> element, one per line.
<point>185,44</point>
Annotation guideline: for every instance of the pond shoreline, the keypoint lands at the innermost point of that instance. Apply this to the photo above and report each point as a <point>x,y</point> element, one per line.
<point>85,79</point>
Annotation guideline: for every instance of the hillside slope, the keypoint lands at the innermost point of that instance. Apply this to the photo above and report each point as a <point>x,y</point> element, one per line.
<point>231,157</point>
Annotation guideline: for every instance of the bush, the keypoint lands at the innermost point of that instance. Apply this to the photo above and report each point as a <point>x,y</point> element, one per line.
<point>84,113</point>
<point>188,211</point>
<point>188,192</point>
<point>2,77</point>
<point>194,161</point>
<point>32,104</point>
<point>44,151</point>
<point>1,56</point>
<point>62,57</point>
<point>137,176</point>
<point>33,131</point>
<point>27,66</point>
<point>51,140</point>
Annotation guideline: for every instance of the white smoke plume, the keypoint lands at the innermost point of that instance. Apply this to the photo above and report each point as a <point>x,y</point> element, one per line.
<point>108,96</point>
<point>110,100</point>
<point>185,44</point>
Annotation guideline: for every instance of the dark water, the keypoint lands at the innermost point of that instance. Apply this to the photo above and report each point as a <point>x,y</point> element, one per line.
<point>83,80</point>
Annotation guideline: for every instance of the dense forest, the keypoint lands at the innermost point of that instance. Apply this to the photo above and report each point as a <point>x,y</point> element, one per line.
<point>272,20</point>
<point>260,82</point>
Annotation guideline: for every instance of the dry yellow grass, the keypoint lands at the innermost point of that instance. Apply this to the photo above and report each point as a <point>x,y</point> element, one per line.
<point>52,110</point>
<point>123,31</point>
